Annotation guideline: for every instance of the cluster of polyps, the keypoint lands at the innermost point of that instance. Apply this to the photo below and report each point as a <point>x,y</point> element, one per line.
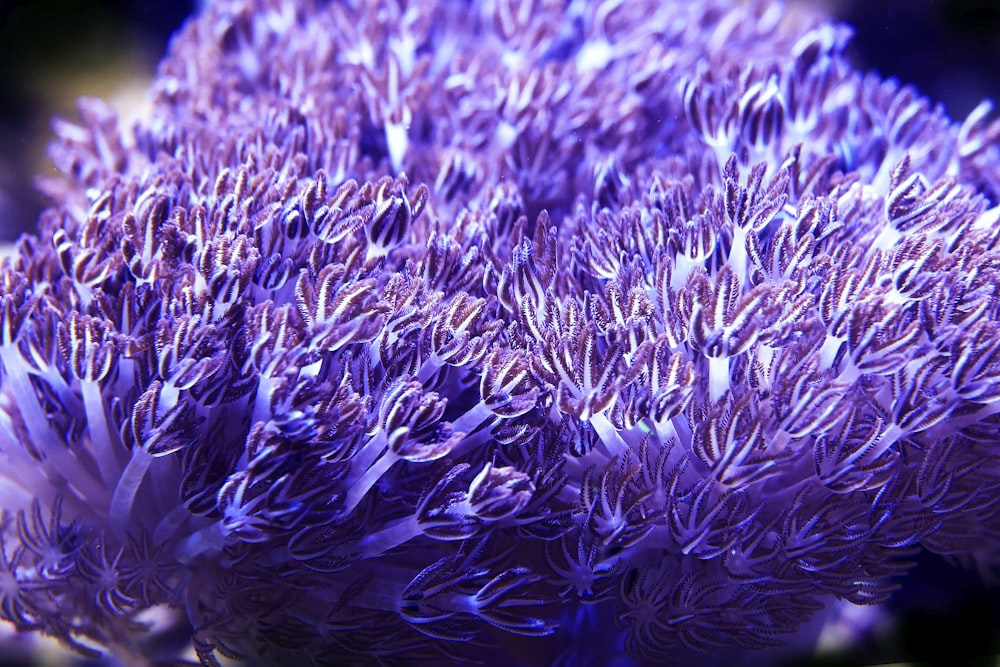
<point>395,329</point>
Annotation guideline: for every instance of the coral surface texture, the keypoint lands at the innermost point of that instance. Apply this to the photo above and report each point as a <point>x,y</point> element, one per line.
<point>527,333</point>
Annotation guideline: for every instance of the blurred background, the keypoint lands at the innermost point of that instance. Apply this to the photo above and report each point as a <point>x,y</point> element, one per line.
<point>53,51</point>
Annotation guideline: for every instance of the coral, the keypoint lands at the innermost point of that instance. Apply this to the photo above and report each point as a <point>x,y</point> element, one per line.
<point>401,330</point>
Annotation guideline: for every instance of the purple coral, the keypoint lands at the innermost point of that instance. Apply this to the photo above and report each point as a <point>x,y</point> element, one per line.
<point>396,331</point>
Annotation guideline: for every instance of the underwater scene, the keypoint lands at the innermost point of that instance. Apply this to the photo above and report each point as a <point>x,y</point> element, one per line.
<point>611,333</point>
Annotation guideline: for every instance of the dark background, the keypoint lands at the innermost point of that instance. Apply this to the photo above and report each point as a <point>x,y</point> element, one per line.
<point>53,51</point>
<point>949,48</point>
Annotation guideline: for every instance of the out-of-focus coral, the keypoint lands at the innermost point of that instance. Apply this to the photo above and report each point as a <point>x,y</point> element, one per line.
<point>402,330</point>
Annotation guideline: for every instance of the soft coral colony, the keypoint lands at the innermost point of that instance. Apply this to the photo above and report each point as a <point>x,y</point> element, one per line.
<point>397,331</point>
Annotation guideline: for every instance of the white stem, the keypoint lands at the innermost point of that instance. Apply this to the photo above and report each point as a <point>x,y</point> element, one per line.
<point>887,238</point>
<point>431,366</point>
<point>780,441</point>
<point>665,430</point>
<point>609,435</point>
<point>58,458</point>
<point>682,428</point>
<point>128,486</point>
<point>26,399</point>
<point>828,353</point>
<point>364,484</point>
<point>169,524</point>
<point>738,254</point>
<point>718,377</point>
<point>398,532</point>
<point>374,350</point>
<point>125,377</point>
<point>101,438</point>
<point>24,471</point>
<point>683,266</point>
<point>979,415</point>
<point>169,394</point>
<point>365,457</point>
<point>849,375</point>
<point>262,399</point>
<point>472,419</point>
<point>208,540</point>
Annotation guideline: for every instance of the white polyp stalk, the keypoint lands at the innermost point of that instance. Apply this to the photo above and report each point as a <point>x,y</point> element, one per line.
<point>27,474</point>
<point>887,238</point>
<point>472,419</point>
<point>365,457</point>
<point>576,466</point>
<point>164,477</point>
<point>374,352</point>
<point>169,394</point>
<point>988,220</point>
<point>780,441</point>
<point>25,399</point>
<point>262,399</point>
<point>894,296</point>
<point>976,417</point>
<point>665,430</point>
<point>128,486</point>
<point>850,374</point>
<point>609,435</point>
<point>311,370</point>
<point>828,352</point>
<point>59,459</point>
<point>62,462</point>
<point>105,449</point>
<point>718,377</point>
<point>683,266</point>
<point>208,540</point>
<point>397,141</point>
<point>398,532</point>
<point>738,253</point>
<point>380,595</point>
<point>371,475</point>
<point>683,430</point>
<point>431,366</point>
<point>888,438</point>
<point>169,524</point>
<point>462,604</point>
<point>15,495</point>
<point>125,377</point>
<point>570,493</point>
<point>192,596</point>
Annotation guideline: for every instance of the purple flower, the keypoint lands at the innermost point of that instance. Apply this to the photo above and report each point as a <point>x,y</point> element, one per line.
<point>634,330</point>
